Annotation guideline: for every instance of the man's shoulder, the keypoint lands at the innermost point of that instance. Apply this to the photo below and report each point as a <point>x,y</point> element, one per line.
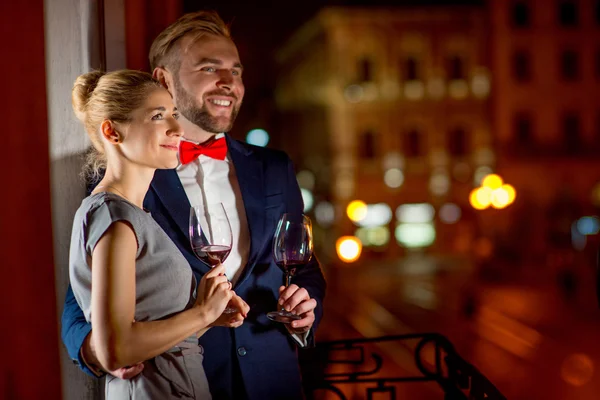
<point>264,153</point>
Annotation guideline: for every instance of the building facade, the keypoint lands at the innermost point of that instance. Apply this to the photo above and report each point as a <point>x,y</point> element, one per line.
<point>390,107</point>
<point>546,112</point>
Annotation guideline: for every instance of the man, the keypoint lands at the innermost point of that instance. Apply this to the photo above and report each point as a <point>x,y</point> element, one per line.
<point>196,60</point>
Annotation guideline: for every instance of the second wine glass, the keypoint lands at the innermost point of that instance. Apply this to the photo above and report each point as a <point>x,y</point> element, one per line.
<point>210,235</point>
<point>292,249</point>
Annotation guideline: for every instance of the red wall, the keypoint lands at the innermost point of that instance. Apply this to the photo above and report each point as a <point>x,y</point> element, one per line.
<point>30,367</point>
<point>144,20</point>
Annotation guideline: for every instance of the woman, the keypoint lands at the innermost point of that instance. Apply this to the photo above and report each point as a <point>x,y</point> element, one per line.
<point>142,303</point>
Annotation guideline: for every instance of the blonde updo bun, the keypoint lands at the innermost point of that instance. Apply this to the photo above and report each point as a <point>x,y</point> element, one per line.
<point>82,91</point>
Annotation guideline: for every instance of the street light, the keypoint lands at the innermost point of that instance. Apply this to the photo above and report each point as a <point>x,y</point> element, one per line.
<point>492,192</point>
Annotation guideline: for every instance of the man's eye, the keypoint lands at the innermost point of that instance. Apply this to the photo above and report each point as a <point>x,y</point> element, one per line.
<point>176,115</point>
<point>157,117</point>
<point>209,69</point>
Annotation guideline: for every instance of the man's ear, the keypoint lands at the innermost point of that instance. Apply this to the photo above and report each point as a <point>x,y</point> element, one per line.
<point>108,130</point>
<point>164,77</point>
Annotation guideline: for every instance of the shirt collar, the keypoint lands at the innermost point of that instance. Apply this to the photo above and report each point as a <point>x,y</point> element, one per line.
<point>217,136</point>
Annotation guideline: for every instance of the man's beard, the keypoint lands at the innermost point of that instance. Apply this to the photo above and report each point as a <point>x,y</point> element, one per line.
<point>201,117</point>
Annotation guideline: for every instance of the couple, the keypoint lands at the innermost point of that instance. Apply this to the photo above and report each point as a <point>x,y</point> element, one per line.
<point>130,236</point>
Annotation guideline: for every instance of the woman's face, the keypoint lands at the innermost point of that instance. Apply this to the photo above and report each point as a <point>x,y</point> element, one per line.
<point>152,137</point>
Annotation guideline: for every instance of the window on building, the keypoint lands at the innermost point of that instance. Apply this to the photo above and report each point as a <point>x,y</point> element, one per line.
<point>568,14</point>
<point>571,132</point>
<point>521,17</point>
<point>410,69</point>
<point>365,70</point>
<point>366,149</point>
<point>521,66</point>
<point>569,65</point>
<point>523,129</point>
<point>458,142</point>
<point>412,144</point>
<point>456,68</point>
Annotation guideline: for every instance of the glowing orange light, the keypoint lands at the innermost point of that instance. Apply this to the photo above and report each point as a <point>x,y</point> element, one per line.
<point>512,193</point>
<point>499,198</point>
<point>492,181</point>
<point>348,248</point>
<point>480,198</point>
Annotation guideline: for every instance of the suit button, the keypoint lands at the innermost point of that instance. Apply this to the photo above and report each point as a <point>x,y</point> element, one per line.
<point>242,351</point>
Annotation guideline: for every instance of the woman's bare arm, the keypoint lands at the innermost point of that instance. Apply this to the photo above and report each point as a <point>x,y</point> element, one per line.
<point>118,340</point>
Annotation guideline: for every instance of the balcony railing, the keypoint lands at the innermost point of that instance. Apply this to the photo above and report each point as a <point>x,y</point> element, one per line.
<point>458,379</point>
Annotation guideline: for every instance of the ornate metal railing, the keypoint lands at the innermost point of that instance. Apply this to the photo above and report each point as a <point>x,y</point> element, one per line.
<point>458,379</point>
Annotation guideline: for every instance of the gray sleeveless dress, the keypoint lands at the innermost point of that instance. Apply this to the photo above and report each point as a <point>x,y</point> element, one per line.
<point>165,285</point>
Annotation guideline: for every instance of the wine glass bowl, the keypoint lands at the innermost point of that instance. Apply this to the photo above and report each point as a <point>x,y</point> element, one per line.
<point>292,249</point>
<point>210,235</point>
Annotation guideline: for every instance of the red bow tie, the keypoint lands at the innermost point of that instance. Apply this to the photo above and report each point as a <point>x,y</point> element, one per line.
<point>189,151</point>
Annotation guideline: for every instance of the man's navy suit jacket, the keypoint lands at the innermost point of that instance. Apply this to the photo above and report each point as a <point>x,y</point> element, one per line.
<point>260,354</point>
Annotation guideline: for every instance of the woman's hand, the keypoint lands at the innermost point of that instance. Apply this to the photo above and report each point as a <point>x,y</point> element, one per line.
<point>233,320</point>
<point>214,293</point>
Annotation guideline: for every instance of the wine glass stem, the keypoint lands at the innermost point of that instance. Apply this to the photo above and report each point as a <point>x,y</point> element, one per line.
<point>288,281</point>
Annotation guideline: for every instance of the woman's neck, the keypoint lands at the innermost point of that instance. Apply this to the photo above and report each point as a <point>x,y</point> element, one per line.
<point>130,183</point>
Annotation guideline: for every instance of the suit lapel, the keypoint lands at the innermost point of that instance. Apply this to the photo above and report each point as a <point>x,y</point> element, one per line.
<point>169,190</point>
<point>249,173</point>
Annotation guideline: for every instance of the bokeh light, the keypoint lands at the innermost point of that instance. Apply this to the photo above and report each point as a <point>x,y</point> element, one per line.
<point>415,213</point>
<point>307,198</point>
<point>393,178</point>
<point>325,213</point>
<point>356,210</point>
<point>354,93</point>
<point>500,198</point>
<point>414,235</point>
<point>449,213</point>
<point>480,198</point>
<point>377,236</point>
<point>306,179</point>
<point>258,137</point>
<point>492,181</point>
<point>348,248</point>
<point>377,215</point>
<point>588,225</point>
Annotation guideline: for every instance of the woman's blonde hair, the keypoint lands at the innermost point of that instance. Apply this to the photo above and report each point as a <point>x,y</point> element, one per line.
<point>99,96</point>
<point>196,24</point>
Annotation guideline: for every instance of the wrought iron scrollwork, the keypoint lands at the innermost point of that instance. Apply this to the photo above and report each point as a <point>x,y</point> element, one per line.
<point>458,379</point>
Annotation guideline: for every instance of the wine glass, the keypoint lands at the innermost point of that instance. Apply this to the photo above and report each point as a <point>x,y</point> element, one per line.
<point>292,249</point>
<point>210,235</point>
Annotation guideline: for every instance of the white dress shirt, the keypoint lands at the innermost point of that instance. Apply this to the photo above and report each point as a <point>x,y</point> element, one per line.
<point>208,181</point>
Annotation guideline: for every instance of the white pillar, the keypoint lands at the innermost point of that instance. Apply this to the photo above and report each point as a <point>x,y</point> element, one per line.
<point>73,47</point>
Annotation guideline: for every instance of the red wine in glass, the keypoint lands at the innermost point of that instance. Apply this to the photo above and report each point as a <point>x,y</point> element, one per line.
<point>210,236</point>
<point>212,254</point>
<point>292,249</point>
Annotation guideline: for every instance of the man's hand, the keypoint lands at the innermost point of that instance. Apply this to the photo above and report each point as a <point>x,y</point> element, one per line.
<point>298,301</point>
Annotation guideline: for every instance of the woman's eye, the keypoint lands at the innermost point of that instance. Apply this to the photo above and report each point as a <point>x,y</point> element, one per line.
<point>176,115</point>
<point>157,117</point>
